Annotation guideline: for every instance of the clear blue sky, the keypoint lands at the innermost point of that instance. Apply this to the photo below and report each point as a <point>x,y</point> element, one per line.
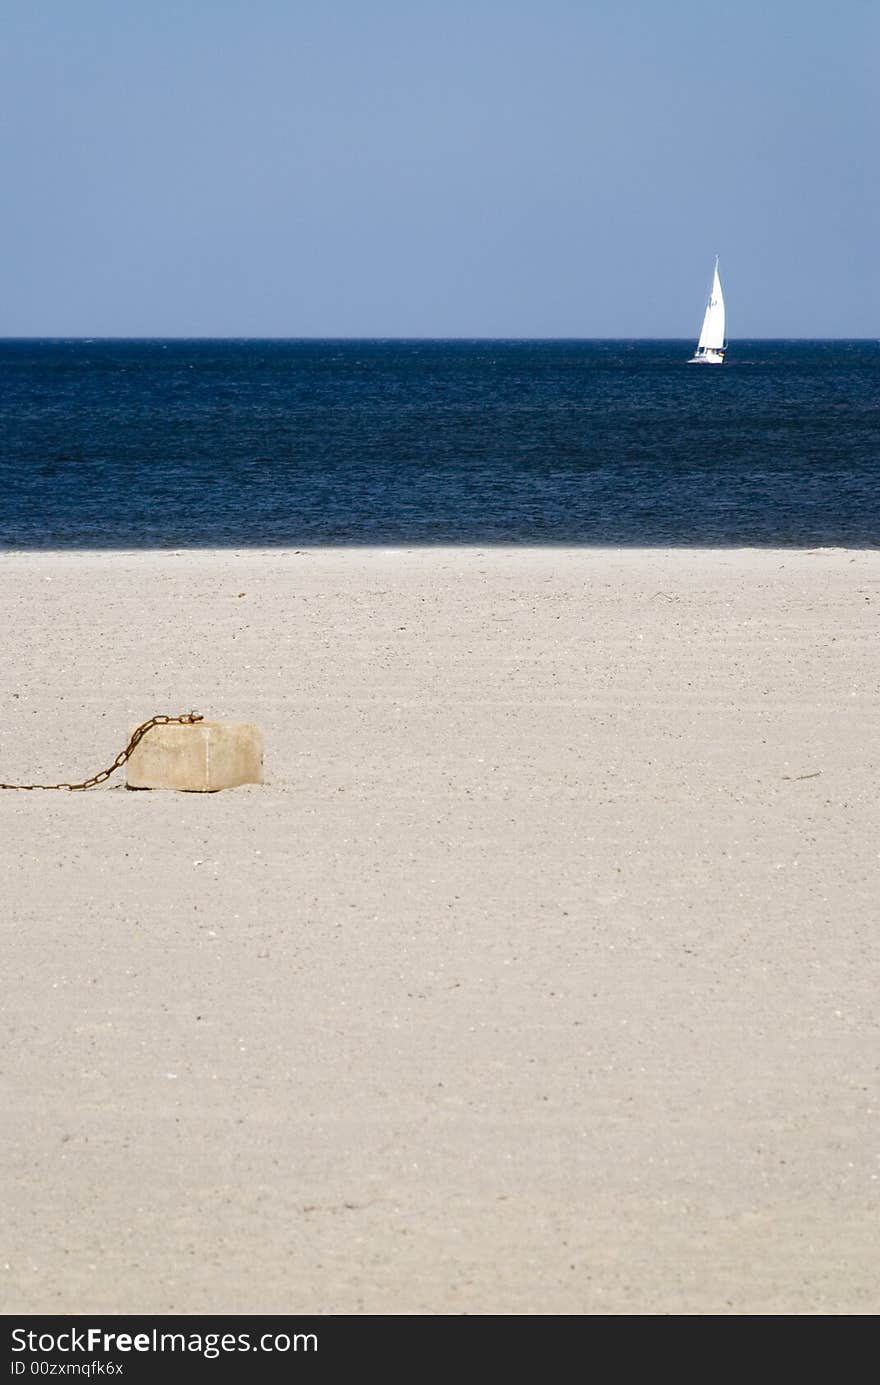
<point>438,167</point>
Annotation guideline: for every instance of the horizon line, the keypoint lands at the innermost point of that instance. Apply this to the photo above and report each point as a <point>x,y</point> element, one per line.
<point>315,337</point>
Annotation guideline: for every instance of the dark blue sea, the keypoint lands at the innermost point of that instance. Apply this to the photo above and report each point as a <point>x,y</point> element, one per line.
<point>121,444</point>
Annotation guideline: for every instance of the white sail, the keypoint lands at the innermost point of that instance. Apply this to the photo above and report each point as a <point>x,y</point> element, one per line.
<point>712,335</point>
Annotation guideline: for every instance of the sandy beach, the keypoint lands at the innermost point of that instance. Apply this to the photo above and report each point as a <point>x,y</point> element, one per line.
<point>539,977</point>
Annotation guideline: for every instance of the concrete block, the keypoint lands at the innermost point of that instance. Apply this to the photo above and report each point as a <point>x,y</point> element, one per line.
<point>201,758</point>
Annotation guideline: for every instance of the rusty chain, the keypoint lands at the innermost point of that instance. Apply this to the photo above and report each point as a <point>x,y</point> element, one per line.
<point>187,719</point>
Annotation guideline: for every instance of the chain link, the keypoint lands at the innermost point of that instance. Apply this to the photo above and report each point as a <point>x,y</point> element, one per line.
<point>187,719</point>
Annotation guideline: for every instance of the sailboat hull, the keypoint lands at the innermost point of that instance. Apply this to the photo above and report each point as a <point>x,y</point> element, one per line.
<point>707,356</point>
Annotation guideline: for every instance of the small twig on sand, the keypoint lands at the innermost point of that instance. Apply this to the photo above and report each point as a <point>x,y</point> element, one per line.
<point>795,777</point>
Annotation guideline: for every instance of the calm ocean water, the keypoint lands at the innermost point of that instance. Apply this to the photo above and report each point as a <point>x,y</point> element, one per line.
<point>192,443</point>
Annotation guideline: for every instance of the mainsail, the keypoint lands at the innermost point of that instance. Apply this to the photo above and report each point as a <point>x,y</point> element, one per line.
<point>712,335</point>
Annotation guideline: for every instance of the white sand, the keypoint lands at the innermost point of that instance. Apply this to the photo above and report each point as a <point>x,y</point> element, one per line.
<point>536,979</point>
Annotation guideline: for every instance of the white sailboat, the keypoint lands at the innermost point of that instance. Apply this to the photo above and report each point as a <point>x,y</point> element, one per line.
<point>711,346</point>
